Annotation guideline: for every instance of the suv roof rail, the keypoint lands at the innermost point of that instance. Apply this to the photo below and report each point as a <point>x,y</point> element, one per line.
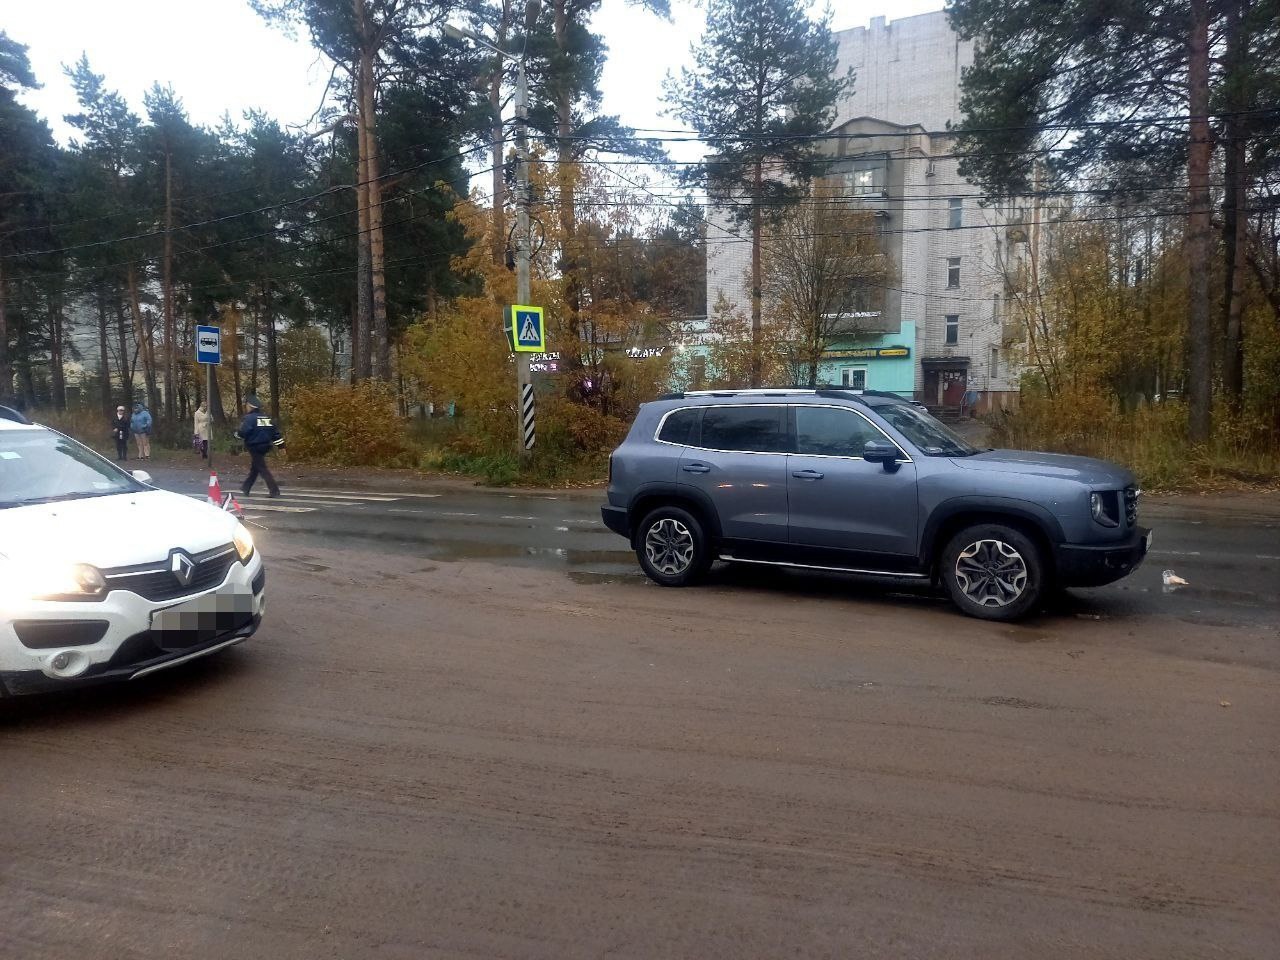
<point>887,394</point>
<point>749,392</point>
<point>8,413</point>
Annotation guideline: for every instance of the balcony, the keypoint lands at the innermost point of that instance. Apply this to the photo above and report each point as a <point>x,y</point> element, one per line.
<point>858,322</point>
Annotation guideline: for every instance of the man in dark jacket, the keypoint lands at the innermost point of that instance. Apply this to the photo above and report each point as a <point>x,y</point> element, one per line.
<point>260,436</point>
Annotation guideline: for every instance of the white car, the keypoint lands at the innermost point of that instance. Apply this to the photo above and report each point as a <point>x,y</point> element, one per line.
<point>104,577</point>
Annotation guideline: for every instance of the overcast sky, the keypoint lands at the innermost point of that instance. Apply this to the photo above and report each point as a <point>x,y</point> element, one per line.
<point>220,56</point>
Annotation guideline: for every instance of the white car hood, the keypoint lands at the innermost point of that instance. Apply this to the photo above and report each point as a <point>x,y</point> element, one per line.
<point>115,531</point>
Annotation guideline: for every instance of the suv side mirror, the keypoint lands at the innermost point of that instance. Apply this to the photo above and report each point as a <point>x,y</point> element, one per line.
<point>882,452</point>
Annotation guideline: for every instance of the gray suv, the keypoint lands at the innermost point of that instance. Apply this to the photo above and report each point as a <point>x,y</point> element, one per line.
<point>864,483</point>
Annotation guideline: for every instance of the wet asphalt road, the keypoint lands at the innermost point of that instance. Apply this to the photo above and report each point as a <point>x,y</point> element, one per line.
<point>1230,557</point>
<point>469,728</point>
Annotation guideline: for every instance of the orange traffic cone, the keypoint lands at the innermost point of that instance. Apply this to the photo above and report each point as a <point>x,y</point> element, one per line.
<point>215,490</point>
<point>233,505</point>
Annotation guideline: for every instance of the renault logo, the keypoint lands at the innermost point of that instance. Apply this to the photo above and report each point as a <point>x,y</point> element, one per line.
<point>182,567</point>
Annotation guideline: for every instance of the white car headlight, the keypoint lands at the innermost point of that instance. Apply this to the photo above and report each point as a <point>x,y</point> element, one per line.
<point>50,581</point>
<point>244,542</point>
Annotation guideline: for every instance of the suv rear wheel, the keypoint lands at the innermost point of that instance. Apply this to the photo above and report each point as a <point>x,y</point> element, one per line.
<point>672,547</point>
<point>993,571</point>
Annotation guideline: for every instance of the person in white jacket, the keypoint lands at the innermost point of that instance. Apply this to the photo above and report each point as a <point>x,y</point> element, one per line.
<point>202,429</point>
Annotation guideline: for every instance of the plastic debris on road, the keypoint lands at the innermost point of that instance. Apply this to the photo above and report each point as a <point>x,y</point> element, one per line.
<point>1172,581</point>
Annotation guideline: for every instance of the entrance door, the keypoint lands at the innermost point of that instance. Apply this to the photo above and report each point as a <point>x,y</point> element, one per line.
<point>953,386</point>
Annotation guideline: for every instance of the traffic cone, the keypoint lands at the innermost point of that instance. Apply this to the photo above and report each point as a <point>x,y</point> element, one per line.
<point>233,505</point>
<point>215,490</point>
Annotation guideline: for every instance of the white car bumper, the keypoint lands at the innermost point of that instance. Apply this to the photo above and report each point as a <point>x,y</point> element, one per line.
<point>47,645</point>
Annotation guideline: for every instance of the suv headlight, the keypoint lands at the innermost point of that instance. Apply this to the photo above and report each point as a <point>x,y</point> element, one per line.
<point>244,542</point>
<point>1105,508</point>
<point>50,581</point>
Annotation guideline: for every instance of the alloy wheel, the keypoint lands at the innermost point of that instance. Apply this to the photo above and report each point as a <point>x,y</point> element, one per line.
<point>991,573</point>
<point>669,547</point>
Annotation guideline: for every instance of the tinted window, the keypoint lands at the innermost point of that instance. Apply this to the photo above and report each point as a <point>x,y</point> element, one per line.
<point>752,429</point>
<point>831,432</point>
<point>931,436</point>
<point>681,427</point>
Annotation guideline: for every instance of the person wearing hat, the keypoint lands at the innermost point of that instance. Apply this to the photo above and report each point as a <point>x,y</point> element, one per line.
<point>120,433</point>
<point>260,436</point>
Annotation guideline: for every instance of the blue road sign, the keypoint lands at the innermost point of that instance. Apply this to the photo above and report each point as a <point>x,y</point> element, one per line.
<point>208,345</point>
<point>529,329</point>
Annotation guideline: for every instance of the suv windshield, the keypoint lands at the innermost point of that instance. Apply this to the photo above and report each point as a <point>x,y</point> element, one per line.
<point>38,466</point>
<point>932,437</point>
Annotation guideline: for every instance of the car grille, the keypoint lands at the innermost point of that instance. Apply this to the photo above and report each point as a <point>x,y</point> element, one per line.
<point>1131,505</point>
<point>155,581</point>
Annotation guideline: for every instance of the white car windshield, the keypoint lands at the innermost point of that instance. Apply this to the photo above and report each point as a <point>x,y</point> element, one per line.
<point>38,466</point>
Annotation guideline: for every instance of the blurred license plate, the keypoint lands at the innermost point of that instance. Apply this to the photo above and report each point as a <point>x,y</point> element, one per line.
<point>208,615</point>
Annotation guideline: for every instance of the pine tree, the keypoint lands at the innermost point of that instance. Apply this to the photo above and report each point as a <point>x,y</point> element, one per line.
<point>1097,84</point>
<point>762,87</point>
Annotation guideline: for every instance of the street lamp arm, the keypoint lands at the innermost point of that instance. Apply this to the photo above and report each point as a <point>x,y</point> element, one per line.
<point>461,33</point>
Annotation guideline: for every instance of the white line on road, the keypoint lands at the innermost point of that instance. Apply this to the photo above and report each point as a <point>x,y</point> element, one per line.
<point>368,494</point>
<point>509,517</point>
<point>275,508</point>
<point>308,495</point>
<point>1175,553</point>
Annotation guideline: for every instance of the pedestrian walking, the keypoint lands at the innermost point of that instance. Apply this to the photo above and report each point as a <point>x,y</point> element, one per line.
<point>201,430</point>
<point>260,436</point>
<point>140,426</point>
<point>120,433</point>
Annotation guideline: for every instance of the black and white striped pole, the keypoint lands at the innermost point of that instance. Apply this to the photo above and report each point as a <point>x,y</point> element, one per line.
<point>528,416</point>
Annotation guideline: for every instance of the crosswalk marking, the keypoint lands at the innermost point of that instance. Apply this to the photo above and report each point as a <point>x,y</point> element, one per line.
<point>334,495</point>
<point>363,494</point>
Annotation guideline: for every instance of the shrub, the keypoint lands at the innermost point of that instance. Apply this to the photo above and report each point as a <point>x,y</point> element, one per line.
<point>1151,440</point>
<point>340,425</point>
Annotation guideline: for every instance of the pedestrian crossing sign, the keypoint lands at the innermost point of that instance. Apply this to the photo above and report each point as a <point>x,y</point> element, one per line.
<point>527,329</point>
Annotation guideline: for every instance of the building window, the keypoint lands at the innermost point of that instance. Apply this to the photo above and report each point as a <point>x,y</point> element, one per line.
<point>955,213</point>
<point>953,273</point>
<point>865,177</point>
<point>953,329</point>
<point>855,378</point>
<point>994,371</point>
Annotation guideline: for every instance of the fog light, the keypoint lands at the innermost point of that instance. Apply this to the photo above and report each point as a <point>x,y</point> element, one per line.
<point>66,664</point>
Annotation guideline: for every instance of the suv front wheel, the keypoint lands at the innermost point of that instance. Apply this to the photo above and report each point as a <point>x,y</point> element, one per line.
<point>672,547</point>
<point>993,572</point>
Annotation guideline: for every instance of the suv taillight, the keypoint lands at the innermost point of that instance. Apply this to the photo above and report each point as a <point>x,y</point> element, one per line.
<point>611,468</point>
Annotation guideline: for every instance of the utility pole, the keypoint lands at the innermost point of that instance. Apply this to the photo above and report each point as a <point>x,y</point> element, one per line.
<point>524,380</point>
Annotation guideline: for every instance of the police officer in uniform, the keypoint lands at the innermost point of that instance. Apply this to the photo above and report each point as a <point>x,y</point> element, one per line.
<point>260,436</point>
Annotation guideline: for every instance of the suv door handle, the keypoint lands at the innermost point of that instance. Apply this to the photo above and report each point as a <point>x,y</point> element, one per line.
<point>806,474</point>
<point>695,468</point>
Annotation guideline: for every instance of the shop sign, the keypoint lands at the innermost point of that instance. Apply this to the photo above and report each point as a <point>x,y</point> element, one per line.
<point>867,353</point>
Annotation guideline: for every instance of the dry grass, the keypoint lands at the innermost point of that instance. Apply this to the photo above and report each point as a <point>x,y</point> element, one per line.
<point>1243,452</point>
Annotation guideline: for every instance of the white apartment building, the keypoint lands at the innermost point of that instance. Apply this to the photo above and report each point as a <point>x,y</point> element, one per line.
<point>940,327</point>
